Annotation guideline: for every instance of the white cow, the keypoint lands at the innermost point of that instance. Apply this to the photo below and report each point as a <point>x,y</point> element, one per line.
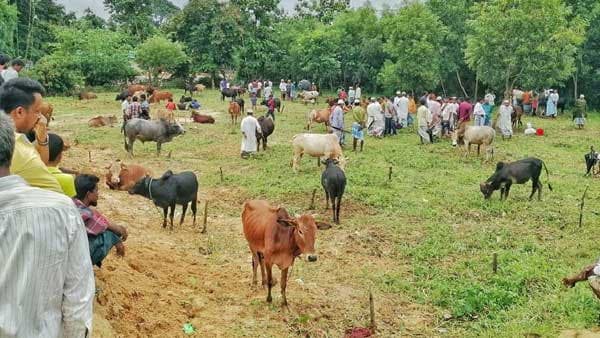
<point>317,145</point>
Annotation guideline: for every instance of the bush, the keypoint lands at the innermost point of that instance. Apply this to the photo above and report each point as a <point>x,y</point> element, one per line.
<point>56,72</point>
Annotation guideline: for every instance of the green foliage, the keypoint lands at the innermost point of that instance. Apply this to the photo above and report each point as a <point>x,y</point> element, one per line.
<point>318,55</point>
<point>8,24</point>
<point>101,55</point>
<point>324,10</point>
<point>507,45</point>
<point>134,17</point>
<point>89,20</point>
<point>413,37</point>
<point>158,54</point>
<point>58,73</point>
<point>162,10</point>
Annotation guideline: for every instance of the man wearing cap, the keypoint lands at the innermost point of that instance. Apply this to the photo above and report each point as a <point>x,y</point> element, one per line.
<point>283,89</point>
<point>401,104</point>
<point>504,119</point>
<point>359,120</point>
<point>358,92</point>
<point>375,120</point>
<point>423,121</point>
<point>249,129</point>
<point>580,112</point>
<point>479,113</point>
<point>336,121</point>
<point>551,104</point>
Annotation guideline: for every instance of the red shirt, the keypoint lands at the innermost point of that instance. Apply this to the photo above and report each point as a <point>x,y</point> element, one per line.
<point>171,106</point>
<point>464,111</point>
<point>95,223</point>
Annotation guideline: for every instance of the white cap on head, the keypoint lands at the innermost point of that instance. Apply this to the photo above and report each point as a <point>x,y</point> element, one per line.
<point>439,98</point>
<point>581,96</point>
<point>372,99</point>
<point>403,93</point>
<point>340,101</point>
<point>398,93</point>
<point>356,101</point>
<point>249,111</point>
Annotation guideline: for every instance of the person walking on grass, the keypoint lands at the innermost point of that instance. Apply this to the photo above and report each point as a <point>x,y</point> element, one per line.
<point>375,122</point>
<point>359,121</point>
<point>46,277</point>
<point>487,108</point>
<point>249,128</point>
<point>423,122</point>
<point>580,112</point>
<point>336,121</point>
<point>479,113</point>
<point>504,119</point>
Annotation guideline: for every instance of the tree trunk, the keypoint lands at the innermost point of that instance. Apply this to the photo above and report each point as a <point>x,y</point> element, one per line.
<point>476,86</point>
<point>575,84</point>
<point>461,85</point>
<point>443,88</point>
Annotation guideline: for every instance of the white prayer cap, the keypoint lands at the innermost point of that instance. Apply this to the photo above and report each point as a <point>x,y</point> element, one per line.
<point>439,98</point>
<point>403,93</point>
<point>340,101</point>
<point>356,101</point>
<point>581,96</point>
<point>249,111</point>
<point>397,93</point>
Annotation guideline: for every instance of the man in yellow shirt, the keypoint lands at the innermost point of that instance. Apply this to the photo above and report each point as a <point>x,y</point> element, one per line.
<point>56,146</point>
<point>21,98</point>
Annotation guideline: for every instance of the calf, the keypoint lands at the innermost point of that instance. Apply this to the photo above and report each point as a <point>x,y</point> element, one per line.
<point>234,111</point>
<point>318,116</point>
<point>121,176</point>
<point>316,145</point>
<point>228,92</point>
<point>267,127</point>
<point>479,135</point>
<point>241,102</point>
<point>101,121</point>
<point>591,159</point>
<point>159,131</point>
<point>168,191</point>
<point>135,88</point>
<point>333,181</point>
<point>157,96</point>
<point>275,238</point>
<point>516,172</point>
<point>87,96</point>
<point>199,118</point>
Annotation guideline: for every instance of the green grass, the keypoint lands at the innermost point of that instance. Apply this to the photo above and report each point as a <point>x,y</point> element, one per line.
<point>440,228</point>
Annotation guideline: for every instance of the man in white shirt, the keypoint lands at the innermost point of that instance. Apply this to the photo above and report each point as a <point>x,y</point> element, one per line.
<point>249,128</point>
<point>46,277</point>
<point>12,72</point>
<point>282,89</point>
<point>358,92</point>
<point>479,113</point>
<point>401,103</point>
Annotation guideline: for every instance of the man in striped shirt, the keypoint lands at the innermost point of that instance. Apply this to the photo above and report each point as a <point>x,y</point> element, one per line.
<point>46,277</point>
<point>102,234</point>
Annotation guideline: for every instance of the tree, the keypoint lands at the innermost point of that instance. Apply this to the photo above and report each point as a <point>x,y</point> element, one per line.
<point>412,44</point>
<point>58,73</point>
<point>324,10</point>
<point>133,16</point>
<point>162,10</point>
<point>317,55</point>
<point>89,20</point>
<point>507,45</point>
<point>8,25</point>
<point>158,54</point>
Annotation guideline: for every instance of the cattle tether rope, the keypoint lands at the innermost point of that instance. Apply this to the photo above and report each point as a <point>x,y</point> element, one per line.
<point>150,189</point>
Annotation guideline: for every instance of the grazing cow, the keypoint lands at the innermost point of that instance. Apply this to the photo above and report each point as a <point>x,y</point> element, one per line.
<point>131,89</point>
<point>87,96</point>
<point>515,117</point>
<point>277,104</point>
<point>241,102</point>
<point>275,238</point>
<point>333,181</point>
<point>479,135</point>
<point>159,131</point>
<point>228,92</point>
<point>240,90</point>
<point>199,118</point>
<point>122,95</point>
<point>101,121</point>
<point>191,88</point>
<point>591,159</point>
<point>158,96</point>
<point>516,172</point>
<point>267,127</point>
<point>234,111</point>
<point>309,96</point>
<point>317,145</point>
<point>168,191</point>
<point>318,116</point>
<point>121,176</point>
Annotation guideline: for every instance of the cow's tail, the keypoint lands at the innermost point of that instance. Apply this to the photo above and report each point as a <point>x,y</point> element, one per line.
<point>547,175</point>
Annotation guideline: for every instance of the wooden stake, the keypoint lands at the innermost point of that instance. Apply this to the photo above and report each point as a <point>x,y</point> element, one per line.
<point>205,216</point>
<point>312,200</point>
<point>372,311</point>
<point>221,171</point>
<point>495,263</point>
<point>581,206</point>
<point>390,174</point>
<point>90,155</point>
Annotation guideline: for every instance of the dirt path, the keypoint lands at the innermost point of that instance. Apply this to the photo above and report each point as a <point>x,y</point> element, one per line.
<point>168,279</point>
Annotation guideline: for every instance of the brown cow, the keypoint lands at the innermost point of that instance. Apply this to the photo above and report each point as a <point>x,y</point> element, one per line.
<point>234,111</point>
<point>200,88</point>
<point>101,121</point>
<point>87,96</point>
<point>135,88</point>
<point>167,114</point>
<point>199,118</point>
<point>121,176</point>
<point>275,238</point>
<point>318,116</point>
<point>157,96</point>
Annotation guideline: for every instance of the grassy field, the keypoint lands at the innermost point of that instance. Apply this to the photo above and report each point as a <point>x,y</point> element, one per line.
<point>422,241</point>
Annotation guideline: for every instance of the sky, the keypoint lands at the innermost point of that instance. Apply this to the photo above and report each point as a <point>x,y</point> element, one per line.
<point>78,6</point>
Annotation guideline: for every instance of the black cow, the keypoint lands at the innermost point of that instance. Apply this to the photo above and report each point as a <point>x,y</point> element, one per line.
<point>228,92</point>
<point>591,159</point>
<point>241,102</point>
<point>168,191</point>
<point>277,104</point>
<point>267,127</point>
<point>122,95</point>
<point>191,88</point>
<point>333,181</point>
<point>516,172</point>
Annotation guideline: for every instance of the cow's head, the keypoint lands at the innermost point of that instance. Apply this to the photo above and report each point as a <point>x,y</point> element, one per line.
<point>176,129</point>
<point>112,119</point>
<point>114,171</point>
<point>305,231</point>
<point>141,187</point>
<point>486,189</point>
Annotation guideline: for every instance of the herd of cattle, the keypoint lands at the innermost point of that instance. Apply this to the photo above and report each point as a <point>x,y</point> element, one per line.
<point>274,237</point>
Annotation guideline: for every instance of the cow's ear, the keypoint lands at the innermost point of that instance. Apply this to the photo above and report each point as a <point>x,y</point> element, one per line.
<point>323,225</point>
<point>166,175</point>
<point>499,165</point>
<point>287,222</point>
